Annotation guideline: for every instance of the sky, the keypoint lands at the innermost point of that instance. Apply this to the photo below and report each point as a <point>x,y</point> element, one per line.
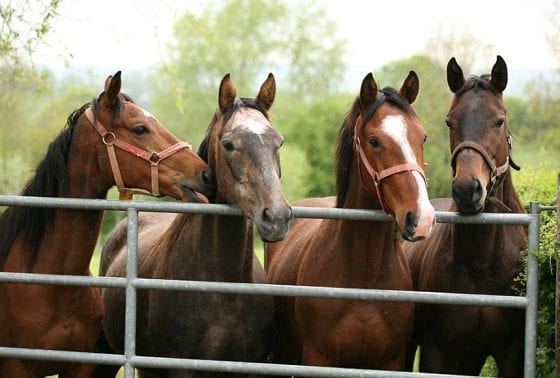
<point>127,34</point>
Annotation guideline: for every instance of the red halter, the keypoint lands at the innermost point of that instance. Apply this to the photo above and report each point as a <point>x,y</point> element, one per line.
<point>111,141</point>
<point>377,177</point>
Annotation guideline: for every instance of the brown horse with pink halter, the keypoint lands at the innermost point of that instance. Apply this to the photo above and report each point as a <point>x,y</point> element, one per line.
<point>379,166</point>
<point>61,241</point>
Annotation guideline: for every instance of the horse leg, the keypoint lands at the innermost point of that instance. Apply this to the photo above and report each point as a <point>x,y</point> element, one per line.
<point>410,356</point>
<point>12,367</point>
<point>510,361</point>
<point>79,371</point>
<point>103,346</point>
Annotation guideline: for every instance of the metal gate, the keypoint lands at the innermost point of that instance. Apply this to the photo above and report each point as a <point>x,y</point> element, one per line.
<point>131,283</point>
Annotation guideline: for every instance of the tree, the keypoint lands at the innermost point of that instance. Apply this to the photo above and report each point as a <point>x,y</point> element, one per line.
<point>247,39</point>
<point>23,26</point>
<point>314,129</point>
<point>553,34</point>
<point>460,43</point>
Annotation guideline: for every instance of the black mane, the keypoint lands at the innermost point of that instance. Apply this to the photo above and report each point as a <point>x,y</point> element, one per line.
<point>476,82</point>
<point>345,147</point>
<point>50,180</point>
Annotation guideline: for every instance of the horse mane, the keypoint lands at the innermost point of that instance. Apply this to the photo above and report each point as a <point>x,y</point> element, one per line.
<point>476,83</point>
<point>50,180</point>
<point>345,147</point>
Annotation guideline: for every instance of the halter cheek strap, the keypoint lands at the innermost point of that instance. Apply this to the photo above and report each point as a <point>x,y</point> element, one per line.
<point>377,177</point>
<point>495,172</point>
<point>154,158</point>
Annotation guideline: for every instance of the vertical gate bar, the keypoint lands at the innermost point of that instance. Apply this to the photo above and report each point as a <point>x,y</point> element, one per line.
<point>532,292</point>
<point>131,275</point>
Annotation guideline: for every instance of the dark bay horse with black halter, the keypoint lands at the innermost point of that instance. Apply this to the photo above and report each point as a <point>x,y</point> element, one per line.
<point>241,147</point>
<point>106,142</point>
<point>469,258</point>
<point>379,166</point>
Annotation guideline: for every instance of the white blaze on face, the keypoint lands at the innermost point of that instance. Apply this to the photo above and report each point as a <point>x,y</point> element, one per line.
<point>395,127</point>
<point>147,113</point>
<point>251,120</point>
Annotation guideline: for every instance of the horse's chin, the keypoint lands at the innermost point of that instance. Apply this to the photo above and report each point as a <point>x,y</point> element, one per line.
<point>273,236</point>
<point>470,209</point>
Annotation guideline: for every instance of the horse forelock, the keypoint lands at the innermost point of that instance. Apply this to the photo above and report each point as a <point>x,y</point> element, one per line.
<point>474,82</point>
<point>345,147</point>
<point>50,180</point>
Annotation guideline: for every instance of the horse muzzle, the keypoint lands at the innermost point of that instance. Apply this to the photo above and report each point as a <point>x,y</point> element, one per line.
<point>274,222</point>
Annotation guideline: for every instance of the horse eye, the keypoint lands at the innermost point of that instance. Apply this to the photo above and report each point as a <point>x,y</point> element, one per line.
<point>140,130</point>
<point>374,142</point>
<point>228,145</point>
<point>425,138</point>
<point>447,123</point>
<point>500,122</point>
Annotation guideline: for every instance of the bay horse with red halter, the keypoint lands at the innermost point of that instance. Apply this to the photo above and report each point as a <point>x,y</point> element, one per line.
<point>473,258</point>
<point>241,146</point>
<point>379,162</point>
<point>106,142</point>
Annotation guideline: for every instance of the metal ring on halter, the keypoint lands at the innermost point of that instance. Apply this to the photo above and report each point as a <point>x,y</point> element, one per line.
<point>104,138</point>
<point>153,158</point>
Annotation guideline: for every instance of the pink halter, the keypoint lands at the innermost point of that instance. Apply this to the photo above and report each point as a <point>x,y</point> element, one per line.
<point>379,176</point>
<point>111,141</point>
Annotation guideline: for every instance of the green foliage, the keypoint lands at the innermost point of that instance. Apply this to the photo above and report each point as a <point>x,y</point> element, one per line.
<point>295,172</point>
<point>537,184</point>
<point>313,128</point>
<point>247,39</point>
<point>23,27</point>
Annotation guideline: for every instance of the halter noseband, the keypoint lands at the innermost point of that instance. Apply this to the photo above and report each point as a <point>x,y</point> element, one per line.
<point>495,172</point>
<point>111,141</point>
<point>377,177</point>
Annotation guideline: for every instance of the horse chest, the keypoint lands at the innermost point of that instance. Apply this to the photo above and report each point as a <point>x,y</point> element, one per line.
<point>201,325</point>
<point>355,333</point>
<point>55,318</point>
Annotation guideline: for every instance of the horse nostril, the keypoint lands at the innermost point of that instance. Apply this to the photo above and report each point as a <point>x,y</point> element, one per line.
<point>207,177</point>
<point>411,222</point>
<point>267,216</point>
<point>477,190</point>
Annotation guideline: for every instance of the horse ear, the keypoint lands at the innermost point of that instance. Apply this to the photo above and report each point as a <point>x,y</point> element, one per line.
<point>455,77</point>
<point>368,91</point>
<point>410,87</point>
<point>499,76</point>
<point>267,92</point>
<point>227,93</point>
<point>113,88</point>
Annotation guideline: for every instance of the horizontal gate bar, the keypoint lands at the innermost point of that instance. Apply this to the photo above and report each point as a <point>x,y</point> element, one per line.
<point>269,289</point>
<point>205,365</point>
<point>299,212</point>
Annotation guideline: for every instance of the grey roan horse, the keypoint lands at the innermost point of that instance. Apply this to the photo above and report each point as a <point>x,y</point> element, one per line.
<point>242,149</point>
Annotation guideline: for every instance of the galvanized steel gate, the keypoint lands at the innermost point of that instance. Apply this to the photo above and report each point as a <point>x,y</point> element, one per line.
<point>132,283</point>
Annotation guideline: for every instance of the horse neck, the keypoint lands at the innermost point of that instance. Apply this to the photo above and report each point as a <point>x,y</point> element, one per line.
<point>69,246</point>
<point>373,244</point>
<point>480,245</point>
<point>210,247</point>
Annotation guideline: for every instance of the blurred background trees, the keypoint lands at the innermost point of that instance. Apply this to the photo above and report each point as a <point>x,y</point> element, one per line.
<point>302,48</point>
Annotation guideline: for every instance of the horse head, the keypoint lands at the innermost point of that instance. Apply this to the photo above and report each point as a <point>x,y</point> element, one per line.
<point>143,156</point>
<point>479,135</point>
<point>389,140</point>
<point>242,148</point>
